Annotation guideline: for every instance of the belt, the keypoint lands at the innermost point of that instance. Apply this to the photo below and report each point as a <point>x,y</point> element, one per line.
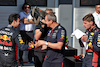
<point>26,31</point>
<point>89,53</point>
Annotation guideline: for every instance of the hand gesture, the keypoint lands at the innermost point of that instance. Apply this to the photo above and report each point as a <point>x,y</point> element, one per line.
<point>44,47</point>
<point>41,42</point>
<point>84,38</point>
<point>31,45</point>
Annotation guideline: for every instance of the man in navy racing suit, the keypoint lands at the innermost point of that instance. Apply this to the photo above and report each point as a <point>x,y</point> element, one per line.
<point>10,39</point>
<point>92,38</point>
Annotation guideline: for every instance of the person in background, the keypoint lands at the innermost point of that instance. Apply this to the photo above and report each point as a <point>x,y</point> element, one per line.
<point>96,15</point>
<point>26,30</point>
<point>41,34</point>
<point>55,43</point>
<point>10,40</point>
<point>92,38</point>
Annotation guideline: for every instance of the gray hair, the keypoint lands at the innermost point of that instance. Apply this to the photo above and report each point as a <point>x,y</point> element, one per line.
<point>49,10</point>
<point>52,17</point>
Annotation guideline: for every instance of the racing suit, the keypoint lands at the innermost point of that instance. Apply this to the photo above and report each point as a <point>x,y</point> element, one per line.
<point>91,58</point>
<point>10,39</point>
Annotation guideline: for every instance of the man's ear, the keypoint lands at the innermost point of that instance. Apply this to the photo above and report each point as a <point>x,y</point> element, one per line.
<point>51,21</point>
<point>14,21</point>
<point>91,22</point>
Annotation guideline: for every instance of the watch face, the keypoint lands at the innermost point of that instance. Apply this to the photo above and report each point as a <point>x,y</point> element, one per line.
<point>46,43</point>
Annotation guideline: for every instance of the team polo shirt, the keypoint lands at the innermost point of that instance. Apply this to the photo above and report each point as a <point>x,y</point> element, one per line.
<point>58,34</point>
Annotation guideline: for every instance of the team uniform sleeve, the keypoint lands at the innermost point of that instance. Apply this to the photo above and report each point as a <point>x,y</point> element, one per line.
<point>61,35</point>
<point>38,27</point>
<point>96,44</point>
<point>20,43</point>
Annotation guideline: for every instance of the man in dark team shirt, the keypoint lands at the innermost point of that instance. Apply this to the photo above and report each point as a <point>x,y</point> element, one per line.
<point>55,42</point>
<point>10,39</point>
<point>41,34</point>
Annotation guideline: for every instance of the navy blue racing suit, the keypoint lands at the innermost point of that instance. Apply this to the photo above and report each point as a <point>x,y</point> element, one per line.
<point>10,40</point>
<point>91,58</point>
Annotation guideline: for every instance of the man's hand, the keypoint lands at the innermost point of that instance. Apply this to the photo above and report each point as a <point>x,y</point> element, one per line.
<point>41,47</point>
<point>31,45</point>
<point>84,38</point>
<point>41,42</point>
<point>43,20</point>
<point>26,21</point>
<point>44,47</point>
<point>22,20</point>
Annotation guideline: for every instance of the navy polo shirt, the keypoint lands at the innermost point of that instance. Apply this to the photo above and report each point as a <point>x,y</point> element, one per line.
<point>58,34</point>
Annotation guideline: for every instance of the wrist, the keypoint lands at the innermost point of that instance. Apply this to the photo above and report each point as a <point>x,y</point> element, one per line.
<point>28,19</point>
<point>87,40</point>
<point>46,43</point>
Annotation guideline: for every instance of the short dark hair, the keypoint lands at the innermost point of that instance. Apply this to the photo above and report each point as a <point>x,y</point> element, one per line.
<point>89,17</point>
<point>96,5</point>
<point>26,4</point>
<point>13,17</point>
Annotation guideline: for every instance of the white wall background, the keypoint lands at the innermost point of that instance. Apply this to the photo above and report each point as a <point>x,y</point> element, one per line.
<point>78,13</point>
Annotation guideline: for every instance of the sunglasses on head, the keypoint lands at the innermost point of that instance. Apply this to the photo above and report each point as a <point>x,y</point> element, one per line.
<point>26,7</point>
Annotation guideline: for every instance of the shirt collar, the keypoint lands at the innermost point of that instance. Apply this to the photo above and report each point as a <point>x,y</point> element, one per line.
<point>56,27</point>
<point>10,26</point>
<point>26,13</point>
<point>96,13</point>
<point>93,28</point>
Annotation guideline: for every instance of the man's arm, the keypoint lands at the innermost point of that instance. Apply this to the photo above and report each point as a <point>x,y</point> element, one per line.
<point>19,41</point>
<point>39,31</point>
<point>27,21</point>
<point>96,43</point>
<point>61,38</point>
<point>57,45</point>
<point>38,34</point>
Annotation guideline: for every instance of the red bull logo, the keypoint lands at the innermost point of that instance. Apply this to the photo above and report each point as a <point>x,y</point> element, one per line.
<point>5,37</point>
<point>21,40</point>
<point>62,37</point>
<point>6,43</point>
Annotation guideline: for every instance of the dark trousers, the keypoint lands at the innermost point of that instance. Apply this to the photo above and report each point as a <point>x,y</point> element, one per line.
<point>87,61</point>
<point>27,37</point>
<point>52,64</point>
<point>6,64</point>
<point>39,58</point>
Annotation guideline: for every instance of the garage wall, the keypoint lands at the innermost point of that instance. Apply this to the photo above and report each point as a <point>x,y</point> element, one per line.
<point>78,13</point>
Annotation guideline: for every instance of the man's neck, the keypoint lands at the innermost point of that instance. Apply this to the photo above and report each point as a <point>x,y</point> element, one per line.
<point>54,25</point>
<point>26,12</point>
<point>92,27</point>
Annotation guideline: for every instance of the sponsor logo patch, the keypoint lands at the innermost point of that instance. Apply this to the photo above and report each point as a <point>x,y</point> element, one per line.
<point>92,33</point>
